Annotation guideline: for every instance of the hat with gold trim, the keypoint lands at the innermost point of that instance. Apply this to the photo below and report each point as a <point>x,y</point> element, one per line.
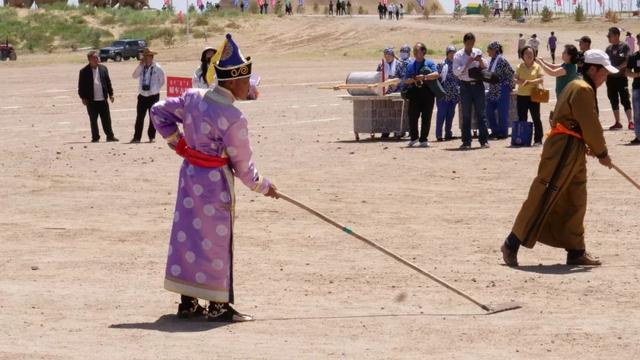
<point>231,64</point>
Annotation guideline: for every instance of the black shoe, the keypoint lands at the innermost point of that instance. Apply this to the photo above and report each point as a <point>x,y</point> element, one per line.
<point>95,140</point>
<point>465,147</point>
<point>152,140</point>
<point>510,257</point>
<point>189,308</point>
<point>635,141</point>
<point>134,141</point>
<point>112,139</point>
<point>223,312</point>
<point>440,139</point>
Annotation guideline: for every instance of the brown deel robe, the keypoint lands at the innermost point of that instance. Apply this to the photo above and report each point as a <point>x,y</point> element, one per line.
<point>554,211</point>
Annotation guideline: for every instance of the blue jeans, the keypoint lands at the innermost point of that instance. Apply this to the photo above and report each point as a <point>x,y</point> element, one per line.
<point>472,96</point>
<point>636,111</point>
<point>499,125</point>
<point>446,112</point>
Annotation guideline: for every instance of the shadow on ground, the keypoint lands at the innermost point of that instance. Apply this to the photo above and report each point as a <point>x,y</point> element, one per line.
<point>557,269</point>
<point>170,323</point>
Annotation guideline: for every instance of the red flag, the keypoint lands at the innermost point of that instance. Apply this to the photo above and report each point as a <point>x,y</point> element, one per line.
<point>573,2</point>
<point>273,3</point>
<point>559,2</point>
<point>199,3</point>
<point>167,2</point>
<point>600,2</point>
<point>456,2</point>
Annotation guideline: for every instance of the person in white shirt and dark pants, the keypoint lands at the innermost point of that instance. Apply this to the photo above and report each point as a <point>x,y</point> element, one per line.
<point>94,88</point>
<point>151,81</point>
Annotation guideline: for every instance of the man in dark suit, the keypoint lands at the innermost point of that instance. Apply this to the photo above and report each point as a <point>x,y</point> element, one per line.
<point>94,87</point>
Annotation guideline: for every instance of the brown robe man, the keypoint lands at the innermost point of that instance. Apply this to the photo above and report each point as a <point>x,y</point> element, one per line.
<point>554,211</point>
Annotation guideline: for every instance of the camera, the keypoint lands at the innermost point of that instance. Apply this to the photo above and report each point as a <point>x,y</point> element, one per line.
<point>146,87</point>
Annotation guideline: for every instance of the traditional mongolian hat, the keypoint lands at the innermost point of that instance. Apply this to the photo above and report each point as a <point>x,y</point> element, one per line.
<point>232,65</point>
<point>228,63</point>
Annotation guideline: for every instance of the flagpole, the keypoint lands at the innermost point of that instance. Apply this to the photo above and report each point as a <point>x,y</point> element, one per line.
<point>187,18</point>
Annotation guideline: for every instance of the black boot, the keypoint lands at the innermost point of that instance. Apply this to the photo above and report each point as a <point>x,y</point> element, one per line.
<point>223,312</point>
<point>189,307</point>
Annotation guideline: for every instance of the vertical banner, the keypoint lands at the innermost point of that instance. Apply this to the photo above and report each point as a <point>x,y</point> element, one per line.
<point>176,86</point>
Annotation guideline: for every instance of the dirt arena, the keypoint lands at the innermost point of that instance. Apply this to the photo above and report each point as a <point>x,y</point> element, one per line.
<point>85,226</point>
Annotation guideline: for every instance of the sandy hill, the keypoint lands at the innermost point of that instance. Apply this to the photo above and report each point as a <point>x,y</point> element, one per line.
<point>369,5</point>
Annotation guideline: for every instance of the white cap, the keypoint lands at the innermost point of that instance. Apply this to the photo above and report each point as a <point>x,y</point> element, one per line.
<point>599,57</point>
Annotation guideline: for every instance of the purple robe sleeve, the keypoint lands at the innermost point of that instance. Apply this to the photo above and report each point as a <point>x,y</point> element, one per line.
<point>238,147</point>
<point>166,114</point>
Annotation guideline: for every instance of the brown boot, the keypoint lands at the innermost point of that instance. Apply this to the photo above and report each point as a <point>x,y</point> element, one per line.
<point>585,260</point>
<point>510,257</point>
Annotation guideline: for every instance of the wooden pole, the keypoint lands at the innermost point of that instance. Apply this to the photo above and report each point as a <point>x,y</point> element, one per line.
<point>380,248</point>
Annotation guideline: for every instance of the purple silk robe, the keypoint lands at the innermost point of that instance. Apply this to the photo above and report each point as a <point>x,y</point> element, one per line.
<point>200,259</point>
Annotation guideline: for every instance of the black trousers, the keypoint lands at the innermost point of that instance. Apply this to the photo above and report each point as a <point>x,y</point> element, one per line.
<point>95,109</point>
<point>525,105</point>
<point>421,107</point>
<point>144,105</point>
<point>553,55</point>
<point>618,92</point>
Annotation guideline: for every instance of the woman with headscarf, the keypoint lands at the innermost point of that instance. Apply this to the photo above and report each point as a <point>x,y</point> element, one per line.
<point>499,93</point>
<point>388,67</point>
<point>199,80</point>
<point>447,104</point>
<point>564,73</point>
<point>554,211</point>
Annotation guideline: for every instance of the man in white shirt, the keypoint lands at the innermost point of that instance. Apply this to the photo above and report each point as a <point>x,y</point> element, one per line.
<point>471,90</point>
<point>94,87</point>
<point>151,79</point>
<point>534,42</point>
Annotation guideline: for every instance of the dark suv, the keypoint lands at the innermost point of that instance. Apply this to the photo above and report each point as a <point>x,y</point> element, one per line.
<point>123,49</point>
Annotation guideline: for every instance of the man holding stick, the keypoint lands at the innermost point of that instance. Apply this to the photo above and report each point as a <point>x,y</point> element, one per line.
<point>215,145</point>
<point>554,211</point>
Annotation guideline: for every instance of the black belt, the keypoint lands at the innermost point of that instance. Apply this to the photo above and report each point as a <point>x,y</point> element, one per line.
<point>470,82</point>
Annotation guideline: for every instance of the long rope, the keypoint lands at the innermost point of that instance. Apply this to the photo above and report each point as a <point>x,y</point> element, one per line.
<point>383,250</point>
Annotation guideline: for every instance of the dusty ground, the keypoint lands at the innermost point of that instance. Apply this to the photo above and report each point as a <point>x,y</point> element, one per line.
<point>85,226</point>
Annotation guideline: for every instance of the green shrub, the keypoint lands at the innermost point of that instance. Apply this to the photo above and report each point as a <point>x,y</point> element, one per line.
<point>579,13</point>
<point>199,34</point>
<point>410,8</point>
<point>426,12</point>
<point>201,20</point>
<point>361,10</point>
<point>485,11</point>
<point>253,7</point>
<point>516,13</point>
<point>546,14</point>
<point>215,29</point>
<point>168,36</point>
<point>278,8</point>
<point>232,25</point>
<point>144,32</point>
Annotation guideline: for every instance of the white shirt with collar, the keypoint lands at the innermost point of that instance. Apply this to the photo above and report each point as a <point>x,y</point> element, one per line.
<point>98,94</point>
<point>157,79</point>
<point>460,60</point>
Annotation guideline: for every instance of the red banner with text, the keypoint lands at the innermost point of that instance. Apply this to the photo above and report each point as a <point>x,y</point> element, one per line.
<point>176,86</point>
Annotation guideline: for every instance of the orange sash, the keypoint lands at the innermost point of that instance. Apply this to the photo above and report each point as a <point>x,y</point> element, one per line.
<point>561,129</point>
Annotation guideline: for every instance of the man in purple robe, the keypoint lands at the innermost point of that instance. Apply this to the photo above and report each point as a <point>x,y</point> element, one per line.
<point>215,144</point>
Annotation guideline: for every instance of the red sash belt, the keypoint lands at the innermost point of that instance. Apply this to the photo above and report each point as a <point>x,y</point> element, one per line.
<point>197,158</point>
<point>561,129</point>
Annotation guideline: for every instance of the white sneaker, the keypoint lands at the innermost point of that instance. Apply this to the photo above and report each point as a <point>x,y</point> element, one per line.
<point>412,143</point>
<point>424,144</point>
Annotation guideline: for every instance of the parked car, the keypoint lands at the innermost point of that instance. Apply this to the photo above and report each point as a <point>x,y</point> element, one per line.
<point>123,50</point>
<point>7,51</point>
